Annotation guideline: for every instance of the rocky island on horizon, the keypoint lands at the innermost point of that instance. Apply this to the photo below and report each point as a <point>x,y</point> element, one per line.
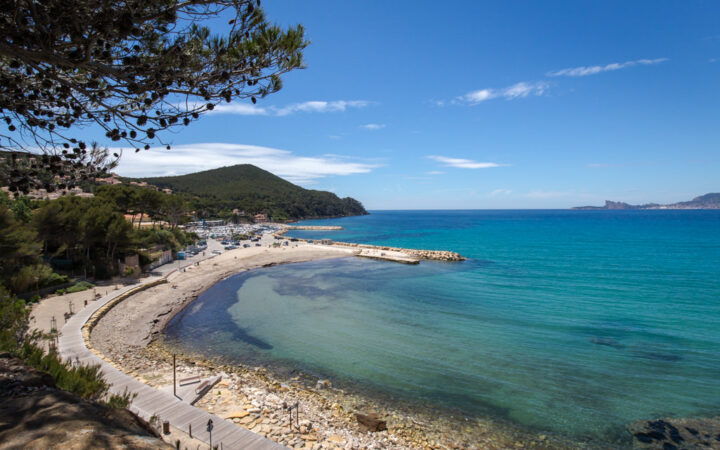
<point>707,201</point>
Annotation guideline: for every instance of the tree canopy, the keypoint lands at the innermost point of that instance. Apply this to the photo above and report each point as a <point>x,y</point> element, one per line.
<point>134,68</point>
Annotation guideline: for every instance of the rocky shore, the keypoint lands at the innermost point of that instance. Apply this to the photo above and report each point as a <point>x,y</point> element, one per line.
<point>256,399</point>
<point>129,337</point>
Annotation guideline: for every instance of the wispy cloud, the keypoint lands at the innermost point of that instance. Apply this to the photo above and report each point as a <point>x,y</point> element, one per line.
<point>183,159</point>
<point>583,71</point>
<point>518,90</point>
<point>315,106</point>
<point>463,163</point>
<point>435,172</point>
<point>497,192</point>
<point>373,126</point>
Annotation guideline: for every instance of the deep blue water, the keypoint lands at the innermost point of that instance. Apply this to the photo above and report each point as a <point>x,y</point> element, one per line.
<point>568,322</point>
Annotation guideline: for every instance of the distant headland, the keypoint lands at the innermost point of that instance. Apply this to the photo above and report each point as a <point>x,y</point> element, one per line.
<point>707,201</point>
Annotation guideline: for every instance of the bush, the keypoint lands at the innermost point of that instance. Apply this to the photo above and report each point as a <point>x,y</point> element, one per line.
<point>85,381</point>
<point>61,291</point>
<point>120,401</point>
<point>54,279</point>
<point>14,318</point>
<point>79,287</point>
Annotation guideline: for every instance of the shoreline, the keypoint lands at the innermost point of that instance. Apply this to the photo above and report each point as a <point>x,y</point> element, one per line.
<point>129,336</point>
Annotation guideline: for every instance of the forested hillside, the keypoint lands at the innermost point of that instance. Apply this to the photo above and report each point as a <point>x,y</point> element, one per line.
<point>253,190</point>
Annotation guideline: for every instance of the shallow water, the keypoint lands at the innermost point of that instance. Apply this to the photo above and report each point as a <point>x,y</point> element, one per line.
<point>570,322</point>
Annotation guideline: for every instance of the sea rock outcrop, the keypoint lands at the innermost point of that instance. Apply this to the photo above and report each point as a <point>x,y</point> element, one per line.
<point>674,434</point>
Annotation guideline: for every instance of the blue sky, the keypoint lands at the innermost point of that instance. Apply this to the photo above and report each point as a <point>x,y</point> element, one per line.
<point>464,105</point>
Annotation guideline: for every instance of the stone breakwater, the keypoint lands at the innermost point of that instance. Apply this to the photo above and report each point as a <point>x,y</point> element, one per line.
<point>312,228</point>
<point>429,255</point>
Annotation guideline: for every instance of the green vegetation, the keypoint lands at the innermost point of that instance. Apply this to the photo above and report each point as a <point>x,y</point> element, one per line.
<point>79,287</point>
<point>85,236</point>
<point>134,69</point>
<point>217,192</point>
<point>15,338</point>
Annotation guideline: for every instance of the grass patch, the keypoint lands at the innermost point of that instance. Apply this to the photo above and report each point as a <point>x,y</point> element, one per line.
<point>79,287</point>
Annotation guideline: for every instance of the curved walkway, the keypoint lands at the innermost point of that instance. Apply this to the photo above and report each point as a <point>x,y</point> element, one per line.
<point>150,401</point>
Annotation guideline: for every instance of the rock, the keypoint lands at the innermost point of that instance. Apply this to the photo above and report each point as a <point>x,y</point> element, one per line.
<point>676,433</point>
<point>323,384</point>
<point>371,422</point>
<point>336,439</point>
<point>237,414</point>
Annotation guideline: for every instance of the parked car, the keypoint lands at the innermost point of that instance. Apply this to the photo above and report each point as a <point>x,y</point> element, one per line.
<point>216,252</point>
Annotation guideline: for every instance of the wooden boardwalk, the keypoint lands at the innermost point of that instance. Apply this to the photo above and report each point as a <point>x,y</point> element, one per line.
<point>150,401</point>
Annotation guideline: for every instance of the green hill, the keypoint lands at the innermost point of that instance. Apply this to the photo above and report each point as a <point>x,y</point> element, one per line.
<point>253,190</point>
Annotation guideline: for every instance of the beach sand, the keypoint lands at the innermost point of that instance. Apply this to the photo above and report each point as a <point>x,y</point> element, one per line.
<point>130,337</point>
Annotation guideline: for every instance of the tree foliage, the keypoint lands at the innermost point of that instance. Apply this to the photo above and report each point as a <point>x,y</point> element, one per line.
<point>134,68</point>
<point>254,190</point>
<point>18,244</point>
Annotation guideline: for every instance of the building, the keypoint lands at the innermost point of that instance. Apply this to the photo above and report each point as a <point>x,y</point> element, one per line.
<point>112,179</point>
<point>260,218</point>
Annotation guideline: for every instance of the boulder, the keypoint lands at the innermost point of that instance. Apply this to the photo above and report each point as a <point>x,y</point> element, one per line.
<point>371,422</point>
<point>674,433</point>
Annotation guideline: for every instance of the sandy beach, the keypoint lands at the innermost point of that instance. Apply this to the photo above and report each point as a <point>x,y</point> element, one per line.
<point>129,336</point>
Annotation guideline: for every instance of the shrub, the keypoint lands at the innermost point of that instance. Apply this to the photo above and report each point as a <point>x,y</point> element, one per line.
<point>120,401</point>
<point>54,279</point>
<point>14,317</point>
<point>85,381</point>
<point>79,287</point>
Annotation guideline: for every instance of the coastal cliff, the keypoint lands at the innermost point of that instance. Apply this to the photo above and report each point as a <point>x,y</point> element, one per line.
<point>707,201</point>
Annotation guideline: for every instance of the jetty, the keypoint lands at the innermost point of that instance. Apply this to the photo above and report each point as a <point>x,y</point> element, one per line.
<point>412,253</point>
<point>382,252</point>
<point>312,228</point>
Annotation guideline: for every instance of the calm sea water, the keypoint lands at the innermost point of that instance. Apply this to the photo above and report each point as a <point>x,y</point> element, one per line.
<point>568,322</point>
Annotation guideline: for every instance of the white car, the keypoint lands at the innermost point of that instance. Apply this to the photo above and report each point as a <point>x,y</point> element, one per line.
<point>216,252</point>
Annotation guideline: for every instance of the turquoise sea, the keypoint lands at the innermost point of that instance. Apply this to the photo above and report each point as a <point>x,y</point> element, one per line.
<point>566,322</point>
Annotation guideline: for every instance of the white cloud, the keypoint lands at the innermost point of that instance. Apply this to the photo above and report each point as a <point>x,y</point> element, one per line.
<point>518,90</point>
<point>320,106</point>
<point>592,70</point>
<point>183,159</point>
<point>316,106</point>
<point>373,126</point>
<point>242,109</point>
<point>464,163</point>
<point>435,172</point>
<point>497,192</point>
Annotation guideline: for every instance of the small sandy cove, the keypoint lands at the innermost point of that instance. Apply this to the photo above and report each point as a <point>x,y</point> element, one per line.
<point>129,336</point>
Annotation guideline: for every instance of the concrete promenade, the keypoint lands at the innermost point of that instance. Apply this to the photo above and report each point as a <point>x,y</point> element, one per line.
<point>150,401</point>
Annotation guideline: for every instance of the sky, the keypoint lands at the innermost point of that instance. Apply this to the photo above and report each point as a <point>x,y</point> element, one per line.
<point>479,105</point>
